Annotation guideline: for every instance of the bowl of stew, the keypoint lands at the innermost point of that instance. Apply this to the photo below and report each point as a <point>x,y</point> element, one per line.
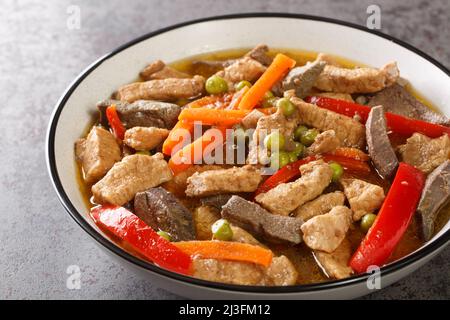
<point>268,156</point>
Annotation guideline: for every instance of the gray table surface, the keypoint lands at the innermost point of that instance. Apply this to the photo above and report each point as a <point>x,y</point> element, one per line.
<point>39,57</point>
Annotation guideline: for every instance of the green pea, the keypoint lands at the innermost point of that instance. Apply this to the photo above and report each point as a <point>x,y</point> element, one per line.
<point>292,157</point>
<point>268,95</point>
<point>242,84</point>
<point>164,235</point>
<point>274,141</point>
<point>337,171</point>
<point>216,85</point>
<point>299,131</point>
<point>309,136</point>
<point>221,230</point>
<point>367,221</point>
<point>286,106</point>
<point>279,159</point>
<point>298,149</point>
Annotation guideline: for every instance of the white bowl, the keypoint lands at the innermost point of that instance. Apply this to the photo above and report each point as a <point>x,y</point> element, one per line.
<point>74,110</point>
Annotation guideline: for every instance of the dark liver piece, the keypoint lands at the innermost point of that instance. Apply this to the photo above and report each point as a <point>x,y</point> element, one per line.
<point>301,79</point>
<point>142,113</point>
<point>435,194</point>
<point>255,219</point>
<point>162,211</point>
<point>380,149</point>
<point>397,100</point>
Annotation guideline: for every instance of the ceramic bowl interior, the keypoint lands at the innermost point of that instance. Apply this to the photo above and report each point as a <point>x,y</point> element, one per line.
<point>74,111</point>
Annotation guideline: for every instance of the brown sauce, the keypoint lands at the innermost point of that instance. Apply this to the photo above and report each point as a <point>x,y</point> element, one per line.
<point>301,256</point>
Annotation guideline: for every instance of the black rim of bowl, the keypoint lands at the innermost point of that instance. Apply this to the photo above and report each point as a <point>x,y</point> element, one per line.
<point>336,284</point>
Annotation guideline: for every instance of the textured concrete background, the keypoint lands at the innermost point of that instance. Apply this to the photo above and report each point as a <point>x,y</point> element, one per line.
<point>39,57</point>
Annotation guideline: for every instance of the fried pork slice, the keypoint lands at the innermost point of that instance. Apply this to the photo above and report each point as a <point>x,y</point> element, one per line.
<point>335,264</point>
<point>363,197</point>
<point>286,197</point>
<point>169,89</point>
<point>320,205</point>
<point>236,179</point>
<point>135,173</point>
<point>326,232</point>
<point>158,70</point>
<point>358,80</point>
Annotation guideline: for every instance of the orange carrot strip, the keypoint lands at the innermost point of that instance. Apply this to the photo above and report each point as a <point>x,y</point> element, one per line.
<point>226,250</point>
<point>237,98</point>
<point>277,69</point>
<point>353,153</point>
<point>213,117</point>
<point>213,102</point>
<point>178,134</point>
<point>194,152</point>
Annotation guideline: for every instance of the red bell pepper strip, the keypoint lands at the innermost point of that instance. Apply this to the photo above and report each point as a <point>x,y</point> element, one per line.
<point>129,228</point>
<point>114,122</point>
<point>397,123</point>
<point>392,219</point>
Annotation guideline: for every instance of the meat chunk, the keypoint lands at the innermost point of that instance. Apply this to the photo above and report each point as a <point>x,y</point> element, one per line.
<point>245,68</point>
<point>335,264</point>
<point>302,79</point>
<point>358,80</point>
<point>236,179</point>
<point>162,211</point>
<point>251,120</point>
<point>320,205</point>
<point>380,148</point>
<point>158,70</point>
<point>145,138</point>
<point>251,217</point>
<point>286,197</point>
<point>324,142</point>
<point>425,153</point>
<point>280,272</point>
<point>350,132</point>
<point>142,113</point>
<point>97,153</point>
<point>327,231</point>
<point>216,201</point>
<point>397,99</point>
<point>165,90</point>
<point>276,122</point>
<point>204,217</point>
<point>362,196</point>
<point>259,53</point>
<point>435,194</point>
<point>133,174</point>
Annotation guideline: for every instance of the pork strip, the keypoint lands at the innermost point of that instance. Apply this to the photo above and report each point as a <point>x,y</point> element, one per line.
<point>245,68</point>
<point>326,141</point>
<point>135,173</point>
<point>358,80</point>
<point>164,90</point>
<point>326,232</point>
<point>145,138</point>
<point>320,205</point>
<point>350,132</point>
<point>335,264</point>
<point>362,196</point>
<point>97,153</point>
<point>425,153</point>
<point>286,197</point>
<point>236,179</point>
<point>158,70</point>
